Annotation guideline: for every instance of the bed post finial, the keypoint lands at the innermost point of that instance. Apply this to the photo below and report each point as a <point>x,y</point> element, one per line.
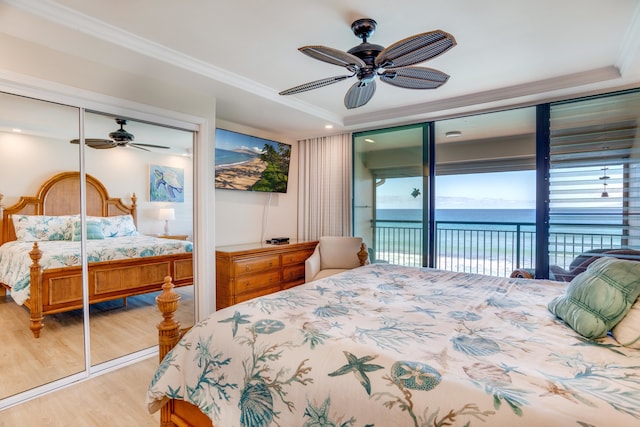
<point>134,207</point>
<point>35,291</point>
<point>168,335</point>
<point>363,255</point>
<point>169,328</point>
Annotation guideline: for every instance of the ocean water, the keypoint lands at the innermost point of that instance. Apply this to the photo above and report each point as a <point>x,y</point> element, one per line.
<point>465,242</point>
<point>609,217</point>
<point>227,157</point>
<point>459,215</point>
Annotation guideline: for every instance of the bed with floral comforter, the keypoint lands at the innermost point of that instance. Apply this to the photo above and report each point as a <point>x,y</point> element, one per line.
<point>386,345</point>
<point>15,261</point>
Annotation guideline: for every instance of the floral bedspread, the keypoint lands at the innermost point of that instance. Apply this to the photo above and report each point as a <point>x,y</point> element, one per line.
<point>15,261</point>
<point>386,345</point>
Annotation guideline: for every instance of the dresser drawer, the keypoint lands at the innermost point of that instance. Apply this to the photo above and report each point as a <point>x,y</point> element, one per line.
<point>248,283</point>
<point>295,257</point>
<point>293,284</point>
<point>250,265</point>
<point>293,273</point>
<point>251,270</point>
<point>254,294</point>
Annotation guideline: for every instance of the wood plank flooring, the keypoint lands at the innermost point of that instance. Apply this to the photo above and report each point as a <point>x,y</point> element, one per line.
<point>113,399</point>
<point>116,330</point>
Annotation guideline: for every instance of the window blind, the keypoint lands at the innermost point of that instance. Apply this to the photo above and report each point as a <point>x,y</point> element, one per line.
<point>594,176</point>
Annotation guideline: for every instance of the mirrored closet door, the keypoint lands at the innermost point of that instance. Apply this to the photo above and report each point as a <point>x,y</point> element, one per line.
<point>37,203</point>
<point>139,183</point>
<point>148,167</point>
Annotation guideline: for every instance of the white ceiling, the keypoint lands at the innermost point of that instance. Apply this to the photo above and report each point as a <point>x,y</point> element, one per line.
<point>508,53</point>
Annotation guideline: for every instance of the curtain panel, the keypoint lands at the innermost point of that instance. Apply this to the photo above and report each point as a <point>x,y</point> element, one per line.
<point>324,183</point>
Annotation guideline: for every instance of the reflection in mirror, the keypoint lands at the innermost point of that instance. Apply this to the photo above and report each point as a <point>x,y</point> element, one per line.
<point>33,148</point>
<point>153,162</point>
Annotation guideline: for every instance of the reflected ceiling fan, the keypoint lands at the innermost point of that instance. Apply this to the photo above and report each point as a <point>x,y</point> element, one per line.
<point>392,65</point>
<point>117,138</point>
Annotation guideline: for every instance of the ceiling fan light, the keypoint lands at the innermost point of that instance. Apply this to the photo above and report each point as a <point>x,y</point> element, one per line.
<point>367,60</point>
<point>121,135</point>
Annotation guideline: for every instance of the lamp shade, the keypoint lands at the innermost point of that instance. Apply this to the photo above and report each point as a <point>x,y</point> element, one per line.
<point>167,214</point>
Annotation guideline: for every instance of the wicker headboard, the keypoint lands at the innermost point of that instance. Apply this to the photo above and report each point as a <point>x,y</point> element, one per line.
<point>60,195</point>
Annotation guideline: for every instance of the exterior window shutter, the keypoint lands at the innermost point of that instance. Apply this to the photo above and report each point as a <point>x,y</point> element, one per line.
<point>594,177</point>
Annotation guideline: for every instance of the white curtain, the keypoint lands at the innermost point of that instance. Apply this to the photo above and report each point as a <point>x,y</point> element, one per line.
<point>324,185</point>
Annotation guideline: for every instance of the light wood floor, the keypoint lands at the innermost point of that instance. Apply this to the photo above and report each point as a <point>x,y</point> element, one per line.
<point>26,362</point>
<point>113,399</point>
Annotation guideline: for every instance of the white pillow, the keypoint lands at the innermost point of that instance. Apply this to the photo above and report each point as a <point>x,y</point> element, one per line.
<point>627,331</point>
<point>118,226</point>
<point>38,228</point>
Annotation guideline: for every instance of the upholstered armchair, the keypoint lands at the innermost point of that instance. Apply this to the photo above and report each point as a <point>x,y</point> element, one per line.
<point>579,264</point>
<point>335,254</point>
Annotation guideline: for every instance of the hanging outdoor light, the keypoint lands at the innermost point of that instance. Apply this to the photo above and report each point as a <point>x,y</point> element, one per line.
<point>604,179</point>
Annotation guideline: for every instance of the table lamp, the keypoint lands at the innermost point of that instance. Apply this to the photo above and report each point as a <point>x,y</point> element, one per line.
<point>167,214</point>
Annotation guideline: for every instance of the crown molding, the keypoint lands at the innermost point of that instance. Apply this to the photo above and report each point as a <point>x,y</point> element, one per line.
<point>630,47</point>
<point>70,18</point>
<point>503,95</point>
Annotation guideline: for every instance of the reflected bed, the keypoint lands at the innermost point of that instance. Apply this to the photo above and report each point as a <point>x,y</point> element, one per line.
<point>121,263</point>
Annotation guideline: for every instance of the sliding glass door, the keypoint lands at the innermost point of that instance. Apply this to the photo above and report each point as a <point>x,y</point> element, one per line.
<point>390,193</point>
<point>594,179</point>
<point>485,192</point>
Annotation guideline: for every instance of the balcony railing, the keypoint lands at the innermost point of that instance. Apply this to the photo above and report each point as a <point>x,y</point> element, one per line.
<point>492,248</point>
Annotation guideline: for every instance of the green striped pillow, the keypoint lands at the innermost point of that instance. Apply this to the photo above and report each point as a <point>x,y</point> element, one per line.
<point>94,230</point>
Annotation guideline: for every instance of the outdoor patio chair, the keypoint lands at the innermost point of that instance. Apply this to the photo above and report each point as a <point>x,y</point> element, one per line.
<point>579,264</point>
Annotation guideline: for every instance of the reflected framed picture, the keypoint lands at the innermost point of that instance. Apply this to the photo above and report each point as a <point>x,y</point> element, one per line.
<point>166,184</point>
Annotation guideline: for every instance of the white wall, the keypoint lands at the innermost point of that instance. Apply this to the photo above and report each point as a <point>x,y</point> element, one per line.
<point>43,73</point>
<point>247,217</point>
<point>26,161</point>
<point>222,217</point>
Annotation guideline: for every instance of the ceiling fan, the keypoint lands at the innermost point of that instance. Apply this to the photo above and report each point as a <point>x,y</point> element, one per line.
<point>117,138</point>
<point>392,65</point>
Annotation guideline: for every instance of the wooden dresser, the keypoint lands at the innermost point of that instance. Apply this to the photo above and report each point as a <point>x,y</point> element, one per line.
<point>247,271</point>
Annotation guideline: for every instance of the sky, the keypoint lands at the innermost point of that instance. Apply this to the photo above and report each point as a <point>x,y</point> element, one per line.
<point>498,190</point>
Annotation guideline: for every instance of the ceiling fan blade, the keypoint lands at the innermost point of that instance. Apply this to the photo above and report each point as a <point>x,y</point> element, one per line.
<point>415,49</point>
<point>150,145</point>
<point>96,143</point>
<point>314,85</point>
<point>132,145</point>
<point>414,77</point>
<point>359,94</point>
<point>334,56</point>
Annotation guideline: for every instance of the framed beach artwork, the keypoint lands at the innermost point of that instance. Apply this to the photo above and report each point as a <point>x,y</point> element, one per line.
<point>166,184</point>
<point>249,163</point>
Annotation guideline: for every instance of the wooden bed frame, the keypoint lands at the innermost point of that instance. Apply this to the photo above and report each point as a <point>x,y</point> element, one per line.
<point>59,290</point>
<point>178,412</point>
<point>175,412</point>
